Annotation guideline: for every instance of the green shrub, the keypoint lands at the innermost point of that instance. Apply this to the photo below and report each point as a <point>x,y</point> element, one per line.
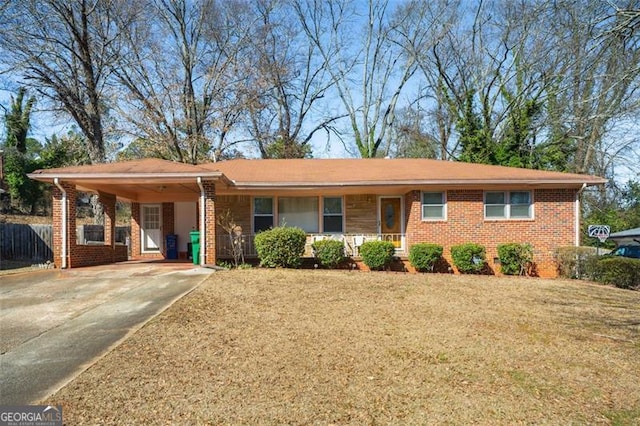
<point>515,259</point>
<point>281,247</point>
<point>424,256</point>
<point>573,262</point>
<point>377,255</point>
<point>329,253</point>
<point>622,272</point>
<point>469,258</point>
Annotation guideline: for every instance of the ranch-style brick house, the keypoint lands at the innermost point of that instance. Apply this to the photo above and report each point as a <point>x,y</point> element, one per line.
<point>406,201</point>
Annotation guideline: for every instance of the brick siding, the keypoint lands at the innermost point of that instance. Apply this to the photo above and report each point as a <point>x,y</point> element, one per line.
<point>84,255</point>
<point>552,226</point>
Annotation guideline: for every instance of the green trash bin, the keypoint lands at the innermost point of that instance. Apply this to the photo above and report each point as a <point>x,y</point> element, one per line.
<point>195,246</point>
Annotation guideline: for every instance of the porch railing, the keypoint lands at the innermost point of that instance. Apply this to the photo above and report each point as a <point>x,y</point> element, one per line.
<point>352,243</point>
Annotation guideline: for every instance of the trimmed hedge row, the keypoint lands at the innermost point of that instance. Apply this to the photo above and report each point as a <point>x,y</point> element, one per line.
<point>622,272</point>
<point>584,263</point>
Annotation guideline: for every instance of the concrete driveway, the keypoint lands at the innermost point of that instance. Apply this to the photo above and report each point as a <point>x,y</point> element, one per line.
<point>55,324</point>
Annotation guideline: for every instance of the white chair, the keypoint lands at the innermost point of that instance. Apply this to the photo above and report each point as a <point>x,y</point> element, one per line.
<point>358,240</point>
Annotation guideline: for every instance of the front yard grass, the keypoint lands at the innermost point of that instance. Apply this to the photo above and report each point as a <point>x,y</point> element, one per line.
<point>334,347</point>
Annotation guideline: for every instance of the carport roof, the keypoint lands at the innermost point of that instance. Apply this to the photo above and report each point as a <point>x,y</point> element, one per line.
<point>126,169</point>
<point>145,180</point>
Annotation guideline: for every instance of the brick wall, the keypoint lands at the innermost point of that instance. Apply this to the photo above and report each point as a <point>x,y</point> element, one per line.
<point>57,208</point>
<point>89,255</point>
<point>552,227</point>
<point>84,255</point>
<point>210,222</point>
<point>108,202</point>
<point>136,244</point>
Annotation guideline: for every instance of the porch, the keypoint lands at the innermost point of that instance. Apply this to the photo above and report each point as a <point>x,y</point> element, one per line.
<point>352,243</point>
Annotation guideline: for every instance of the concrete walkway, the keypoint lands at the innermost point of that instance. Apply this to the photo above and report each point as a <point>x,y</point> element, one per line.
<point>55,324</point>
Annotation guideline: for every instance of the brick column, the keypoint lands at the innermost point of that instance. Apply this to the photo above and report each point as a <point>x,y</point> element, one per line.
<point>168,223</point>
<point>108,202</point>
<point>210,222</point>
<point>58,225</point>
<point>135,230</point>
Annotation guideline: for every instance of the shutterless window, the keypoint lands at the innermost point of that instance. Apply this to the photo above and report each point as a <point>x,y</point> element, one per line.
<point>262,214</point>
<point>495,205</point>
<point>507,205</point>
<point>332,214</point>
<point>520,204</point>
<point>433,206</point>
<point>301,212</point>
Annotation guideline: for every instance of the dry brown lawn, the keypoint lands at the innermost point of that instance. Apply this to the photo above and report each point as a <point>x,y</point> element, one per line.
<point>330,347</point>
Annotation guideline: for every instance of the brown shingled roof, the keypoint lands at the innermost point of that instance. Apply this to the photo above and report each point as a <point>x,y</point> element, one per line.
<point>350,172</point>
<point>308,173</point>
<point>146,166</point>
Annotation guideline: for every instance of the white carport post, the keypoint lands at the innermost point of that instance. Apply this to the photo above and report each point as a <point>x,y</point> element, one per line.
<point>202,222</point>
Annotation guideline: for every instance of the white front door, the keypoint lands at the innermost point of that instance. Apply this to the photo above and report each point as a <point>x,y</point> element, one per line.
<point>151,228</point>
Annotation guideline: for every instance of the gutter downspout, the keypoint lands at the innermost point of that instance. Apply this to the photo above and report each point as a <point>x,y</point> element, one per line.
<point>56,182</point>
<point>577,214</point>
<point>202,221</point>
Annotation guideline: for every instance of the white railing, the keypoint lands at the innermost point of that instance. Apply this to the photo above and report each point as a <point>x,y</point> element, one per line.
<point>352,243</point>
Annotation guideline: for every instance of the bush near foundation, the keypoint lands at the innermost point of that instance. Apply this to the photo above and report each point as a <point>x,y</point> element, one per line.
<point>424,256</point>
<point>515,259</point>
<point>469,258</point>
<point>281,247</point>
<point>329,253</point>
<point>622,272</point>
<point>377,255</point>
<point>573,262</point>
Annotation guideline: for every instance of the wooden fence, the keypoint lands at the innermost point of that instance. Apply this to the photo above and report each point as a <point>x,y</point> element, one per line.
<point>26,242</point>
<point>35,242</point>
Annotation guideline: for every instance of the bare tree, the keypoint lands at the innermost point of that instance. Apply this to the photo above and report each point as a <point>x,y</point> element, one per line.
<point>63,49</point>
<point>180,76</point>
<point>595,73</point>
<point>289,80</point>
<point>366,64</point>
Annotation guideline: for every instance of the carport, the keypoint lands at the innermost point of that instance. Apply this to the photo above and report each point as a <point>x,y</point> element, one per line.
<point>158,190</point>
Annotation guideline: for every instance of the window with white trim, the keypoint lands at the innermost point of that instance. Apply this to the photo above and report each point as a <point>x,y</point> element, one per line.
<point>434,206</point>
<point>332,215</point>
<point>262,214</point>
<point>508,205</point>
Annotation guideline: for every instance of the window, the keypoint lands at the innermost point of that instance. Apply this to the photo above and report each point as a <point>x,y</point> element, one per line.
<point>262,214</point>
<point>299,211</point>
<point>433,206</point>
<point>520,204</point>
<point>507,205</point>
<point>332,214</point>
